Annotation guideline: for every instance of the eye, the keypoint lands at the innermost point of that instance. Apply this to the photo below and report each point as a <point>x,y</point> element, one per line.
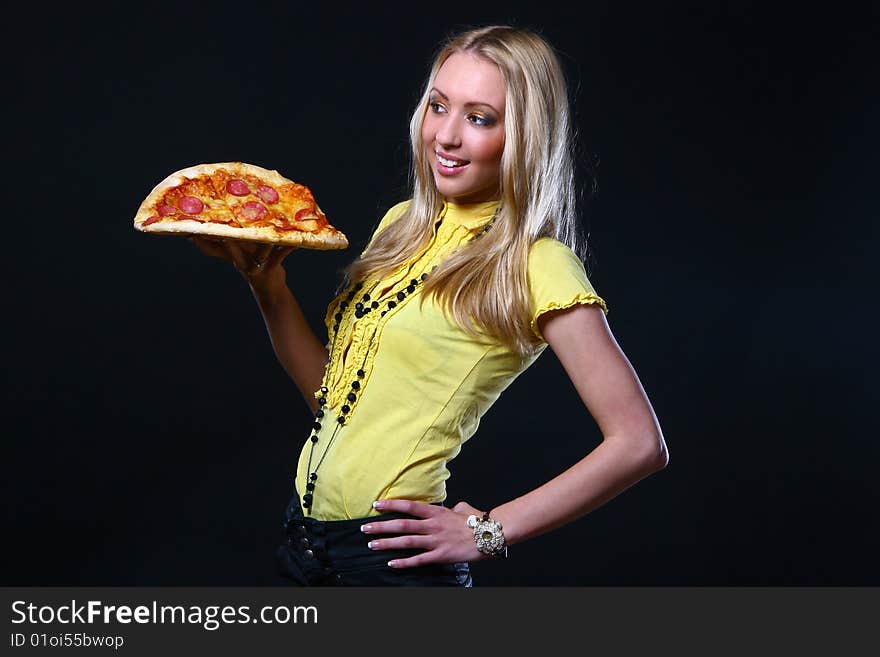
<point>484,121</point>
<point>435,106</point>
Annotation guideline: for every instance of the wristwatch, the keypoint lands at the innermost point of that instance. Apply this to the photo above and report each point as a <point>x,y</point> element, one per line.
<point>488,535</point>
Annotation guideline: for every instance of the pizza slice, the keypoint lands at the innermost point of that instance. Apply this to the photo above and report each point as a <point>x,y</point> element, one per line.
<point>239,201</point>
<point>193,200</point>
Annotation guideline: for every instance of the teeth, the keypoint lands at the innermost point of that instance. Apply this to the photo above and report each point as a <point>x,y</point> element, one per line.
<point>448,163</point>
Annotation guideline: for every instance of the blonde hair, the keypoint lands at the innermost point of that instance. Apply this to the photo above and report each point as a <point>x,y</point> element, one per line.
<point>484,285</point>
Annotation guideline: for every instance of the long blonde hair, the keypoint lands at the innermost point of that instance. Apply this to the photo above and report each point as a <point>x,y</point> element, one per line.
<point>484,284</point>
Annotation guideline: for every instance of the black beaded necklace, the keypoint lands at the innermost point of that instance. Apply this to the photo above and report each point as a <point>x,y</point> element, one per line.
<point>361,308</point>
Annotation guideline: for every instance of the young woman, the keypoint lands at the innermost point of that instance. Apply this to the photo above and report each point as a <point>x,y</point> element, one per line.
<point>460,289</point>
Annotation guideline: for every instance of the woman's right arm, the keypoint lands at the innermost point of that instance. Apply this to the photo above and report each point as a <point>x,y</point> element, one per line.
<point>298,349</point>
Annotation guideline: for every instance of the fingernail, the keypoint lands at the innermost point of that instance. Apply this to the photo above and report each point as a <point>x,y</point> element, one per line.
<point>365,528</point>
<point>377,504</point>
<point>370,545</point>
<point>391,563</point>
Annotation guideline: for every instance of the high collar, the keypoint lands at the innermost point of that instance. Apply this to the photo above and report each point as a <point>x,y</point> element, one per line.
<point>471,215</point>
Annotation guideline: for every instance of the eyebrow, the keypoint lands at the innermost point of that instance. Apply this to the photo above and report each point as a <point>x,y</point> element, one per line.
<point>446,98</point>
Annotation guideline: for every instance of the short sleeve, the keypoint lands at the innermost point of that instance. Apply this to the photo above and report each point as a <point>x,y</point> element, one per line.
<point>393,213</point>
<point>557,279</point>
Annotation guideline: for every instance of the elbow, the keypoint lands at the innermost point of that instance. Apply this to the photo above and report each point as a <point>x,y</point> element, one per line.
<point>645,449</point>
<point>653,453</point>
<point>663,459</point>
<point>658,453</point>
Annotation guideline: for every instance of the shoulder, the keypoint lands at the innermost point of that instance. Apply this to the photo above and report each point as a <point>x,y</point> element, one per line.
<point>548,252</point>
<point>557,277</point>
<point>393,213</point>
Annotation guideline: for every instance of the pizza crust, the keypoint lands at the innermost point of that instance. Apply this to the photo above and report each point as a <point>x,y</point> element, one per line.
<point>322,239</point>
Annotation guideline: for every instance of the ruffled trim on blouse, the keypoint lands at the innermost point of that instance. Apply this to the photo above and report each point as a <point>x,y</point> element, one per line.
<point>356,344</point>
<point>585,298</point>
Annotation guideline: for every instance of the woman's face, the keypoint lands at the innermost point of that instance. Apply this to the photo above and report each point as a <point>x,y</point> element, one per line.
<point>463,129</point>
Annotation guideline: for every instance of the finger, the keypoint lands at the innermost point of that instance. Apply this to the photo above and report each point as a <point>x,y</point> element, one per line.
<point>209,248</point>
<point>400,526</point>
<point>411,507</point>
<point>402,542</point>
<point>278,254</point>
<point>263,250</point>
<point>422,559</point>
<point>236,254</point>
<point>261,254</point>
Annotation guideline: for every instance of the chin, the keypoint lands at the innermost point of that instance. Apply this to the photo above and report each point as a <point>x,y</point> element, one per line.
<point>457,194</point>
<point>465,197</point>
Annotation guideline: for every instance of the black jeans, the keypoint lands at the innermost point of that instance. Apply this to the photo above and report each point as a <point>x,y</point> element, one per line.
<point>335,553</point>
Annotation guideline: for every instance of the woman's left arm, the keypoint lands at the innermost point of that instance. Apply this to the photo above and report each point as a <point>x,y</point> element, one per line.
<point>632,448</point>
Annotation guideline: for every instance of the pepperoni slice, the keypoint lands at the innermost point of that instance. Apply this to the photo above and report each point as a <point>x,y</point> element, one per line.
<point>253,211</point>
<point>152,220</point>
<point>165,210</point>
<point>238,187</point>
<point>305,214</point>
<point>267,194</point>
<point>190,205</point>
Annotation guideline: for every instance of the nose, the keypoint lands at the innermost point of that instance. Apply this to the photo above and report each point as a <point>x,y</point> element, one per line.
<point>447,134</point>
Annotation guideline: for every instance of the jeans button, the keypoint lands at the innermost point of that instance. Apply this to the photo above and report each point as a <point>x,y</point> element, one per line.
<point>301,529</point>
<point>304,542</point>
<point>308,554</point>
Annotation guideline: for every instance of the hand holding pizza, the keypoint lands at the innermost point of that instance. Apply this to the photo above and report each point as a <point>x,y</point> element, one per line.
<point>257,263</point>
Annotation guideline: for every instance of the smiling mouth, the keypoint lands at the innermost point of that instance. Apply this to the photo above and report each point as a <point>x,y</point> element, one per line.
<point>450,162</point>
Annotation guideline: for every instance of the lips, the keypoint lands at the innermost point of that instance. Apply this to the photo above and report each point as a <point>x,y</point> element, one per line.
<point>450,161</point>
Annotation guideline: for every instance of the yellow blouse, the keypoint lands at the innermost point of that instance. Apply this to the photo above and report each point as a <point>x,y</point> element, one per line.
<point>426,382</point>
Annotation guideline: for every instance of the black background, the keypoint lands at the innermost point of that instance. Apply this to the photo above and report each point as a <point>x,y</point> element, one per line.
<point>151,434</point>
